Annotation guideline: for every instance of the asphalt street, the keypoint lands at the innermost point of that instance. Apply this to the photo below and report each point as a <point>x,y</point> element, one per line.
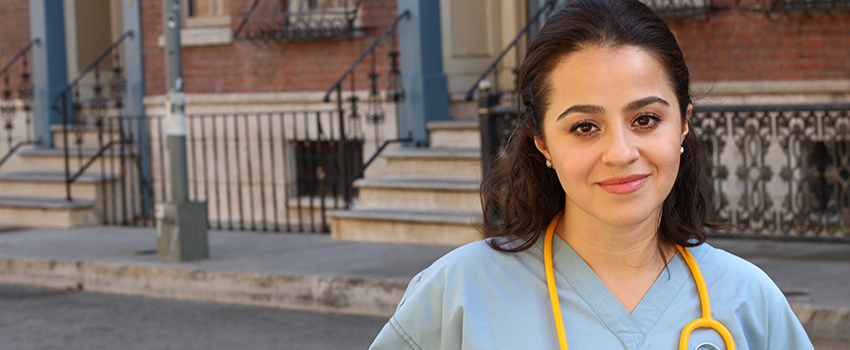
<point>42,318</point>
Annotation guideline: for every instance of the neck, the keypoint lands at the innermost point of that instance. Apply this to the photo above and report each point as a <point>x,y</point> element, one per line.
<point>619,247</point>
<point>626,259</point>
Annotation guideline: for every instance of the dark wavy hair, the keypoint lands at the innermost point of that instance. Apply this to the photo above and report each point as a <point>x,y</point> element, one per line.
<point>520,195</point>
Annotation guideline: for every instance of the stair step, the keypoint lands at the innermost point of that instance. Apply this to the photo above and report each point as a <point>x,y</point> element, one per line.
<point>53,159</point>
<point>406,226</point>
<point>50,176</point>
<point>90,135</point>
<point>37,184</point>
<point>74,152</point>
<point>440,163</point>
<point>45,203</point>
<point>419,193</point>
<point>40,212</point>
<point>454,134</point>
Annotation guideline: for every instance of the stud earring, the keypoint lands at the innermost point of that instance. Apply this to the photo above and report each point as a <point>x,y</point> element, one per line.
<point>682,150</point>
<point>548,164</point>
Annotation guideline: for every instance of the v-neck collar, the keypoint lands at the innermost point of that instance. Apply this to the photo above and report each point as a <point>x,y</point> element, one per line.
<point>630,329</point>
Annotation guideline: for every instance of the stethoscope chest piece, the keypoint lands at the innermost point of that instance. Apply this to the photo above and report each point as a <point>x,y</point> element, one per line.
<point>707,346</point>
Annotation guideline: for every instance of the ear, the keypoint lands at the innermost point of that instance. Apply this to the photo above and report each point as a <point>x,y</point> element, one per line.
<point>685,125</point>
<point>541,146</point>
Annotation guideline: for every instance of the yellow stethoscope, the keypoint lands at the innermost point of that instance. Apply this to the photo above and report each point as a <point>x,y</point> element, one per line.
<point>704,321</point>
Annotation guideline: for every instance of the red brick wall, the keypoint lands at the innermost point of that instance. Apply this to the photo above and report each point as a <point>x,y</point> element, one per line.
<point>734,45</point>
<point>248,67</point>
<point>743,46</point>
<point>14,35</point>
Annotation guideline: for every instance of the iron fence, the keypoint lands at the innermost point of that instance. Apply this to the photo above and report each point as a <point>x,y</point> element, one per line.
<point>16,102</point>
<point>780,171</point>
<point>275,171</point>
<point>774,172</point>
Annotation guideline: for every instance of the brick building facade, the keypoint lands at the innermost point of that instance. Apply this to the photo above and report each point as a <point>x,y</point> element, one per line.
<point>732,45</point>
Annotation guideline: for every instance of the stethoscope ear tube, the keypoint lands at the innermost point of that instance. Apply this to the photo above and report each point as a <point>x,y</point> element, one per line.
<point>705,321</point>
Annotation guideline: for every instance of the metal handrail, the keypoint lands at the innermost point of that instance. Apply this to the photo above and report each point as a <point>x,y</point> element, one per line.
<point>19,55</point>
<point>547,7</point>
<point>88,69</point>
<point>15,149</point>
<point>338,84</point>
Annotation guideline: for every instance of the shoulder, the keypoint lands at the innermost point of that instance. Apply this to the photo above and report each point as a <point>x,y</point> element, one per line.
<point>723,267</point>
<point>466,264</point>
<point>440,299</point>
<point>745,296</point>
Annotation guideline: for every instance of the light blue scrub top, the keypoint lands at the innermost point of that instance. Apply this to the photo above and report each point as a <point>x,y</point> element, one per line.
<point>478,298</point>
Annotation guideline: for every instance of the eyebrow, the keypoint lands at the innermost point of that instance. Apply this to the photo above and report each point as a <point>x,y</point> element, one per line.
<point>593,109</point>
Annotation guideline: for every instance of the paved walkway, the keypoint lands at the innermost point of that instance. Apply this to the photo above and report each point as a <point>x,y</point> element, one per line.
<point>314,272</point>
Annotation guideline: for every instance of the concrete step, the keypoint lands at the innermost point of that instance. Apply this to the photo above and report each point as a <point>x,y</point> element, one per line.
<point>89,136</point>
<point>49,213</point>
<point>419,193</point>
<point>455,134</point>
<point>452,228</point>
<point>439,163</point>
<point>39,184</point>
<point>53,160</point>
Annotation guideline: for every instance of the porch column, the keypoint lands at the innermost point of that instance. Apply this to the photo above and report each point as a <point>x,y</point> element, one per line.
<point>49,65</point>
<point>422,76</point>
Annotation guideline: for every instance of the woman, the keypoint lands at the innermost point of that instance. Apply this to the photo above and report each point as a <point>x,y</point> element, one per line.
<point>604,157</point>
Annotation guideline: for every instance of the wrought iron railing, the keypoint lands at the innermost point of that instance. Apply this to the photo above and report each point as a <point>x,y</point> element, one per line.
<point>273,171</point>
<point>375,114</point>
<point>776,171</point>
<point>86,103</point>
<point>779,171</point>
<point>271,21</point>
<point>11,106</point>
<point>796,8</point>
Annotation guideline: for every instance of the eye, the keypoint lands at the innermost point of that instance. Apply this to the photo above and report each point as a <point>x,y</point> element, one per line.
<point>584,128</point>
<point>646,121</point>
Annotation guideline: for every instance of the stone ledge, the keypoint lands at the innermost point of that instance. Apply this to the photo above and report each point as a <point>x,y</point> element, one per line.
<point>405,183</point>
<point>803,87</point>
<point>202,36</point>
<point>434,153</point>
<point>461,124</point>
<point>304,292</point>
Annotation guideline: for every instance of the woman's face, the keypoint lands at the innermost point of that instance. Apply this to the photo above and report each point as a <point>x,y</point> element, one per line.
<point>612,132</point>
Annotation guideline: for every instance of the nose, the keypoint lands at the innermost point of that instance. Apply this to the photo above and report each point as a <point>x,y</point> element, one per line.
<point>621,148</point>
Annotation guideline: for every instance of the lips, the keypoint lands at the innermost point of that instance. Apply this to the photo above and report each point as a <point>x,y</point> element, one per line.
<point>624,184</point>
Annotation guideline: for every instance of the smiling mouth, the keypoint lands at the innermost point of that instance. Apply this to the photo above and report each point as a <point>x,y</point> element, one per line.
<point>624,184</point>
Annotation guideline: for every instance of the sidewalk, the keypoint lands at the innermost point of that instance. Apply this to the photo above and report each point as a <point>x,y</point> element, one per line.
<point>313,272</point>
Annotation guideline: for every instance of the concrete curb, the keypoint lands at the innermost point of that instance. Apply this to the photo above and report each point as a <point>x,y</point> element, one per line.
<point>313,293</point>
<point>303,292</point>
<point>824,323</point>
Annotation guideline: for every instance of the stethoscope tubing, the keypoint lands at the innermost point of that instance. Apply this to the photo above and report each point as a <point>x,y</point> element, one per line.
<point>706,321</point>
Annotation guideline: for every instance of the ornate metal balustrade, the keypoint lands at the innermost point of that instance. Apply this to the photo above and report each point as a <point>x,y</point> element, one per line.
<point>271,21</point>
<point>796,8</point>
<point>17,101</point>
<point>375,114</point>
<point>97,93</point>
<point>775,172</point>
<point>781,172</point>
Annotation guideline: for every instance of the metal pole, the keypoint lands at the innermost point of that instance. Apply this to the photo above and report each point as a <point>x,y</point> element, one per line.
<point>181,225</point>
<point>175,102</point>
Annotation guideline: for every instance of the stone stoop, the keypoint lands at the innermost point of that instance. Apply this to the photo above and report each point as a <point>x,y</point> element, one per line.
<point>33,193</point>
<point>427,195</point>
<point>47,212</point>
